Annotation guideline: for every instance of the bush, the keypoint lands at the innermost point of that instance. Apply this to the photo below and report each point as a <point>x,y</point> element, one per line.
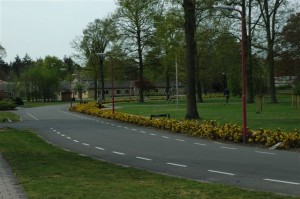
<point>7,105</point>
<point>206,129</point>
<point>17,101</point>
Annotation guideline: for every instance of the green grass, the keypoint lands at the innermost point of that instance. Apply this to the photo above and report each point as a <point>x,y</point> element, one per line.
<point>8,115</point>
<point>273,116</point>
<point>48,172</point>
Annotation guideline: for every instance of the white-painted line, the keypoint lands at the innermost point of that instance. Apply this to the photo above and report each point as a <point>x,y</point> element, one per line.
<point>33,116</point>
<point>66,150</point>
<point>177,165</point>
<point>180,140</point>
<point>282,181</point>
<point>107,123</point>
<point>153,134</point>
<point>69,138</point>
<point>63,135</point>
<point>165,137</point>
<point>112,125</point>
<point>221,172</point>
<point>143,132</point>
<point>99,148</point>
<point>230,148</point>
<point>118,153</point>
<point>58,132</point>
<point>76,141</point>
<point>217,142</point>
<point>200,144</point>
<point>85,144</point>
<point>120,126</point>
<point>133,129</point>
<point>267,153</point>
<point>54,130</point>
<point>51,128</point>
<point>141,158</point>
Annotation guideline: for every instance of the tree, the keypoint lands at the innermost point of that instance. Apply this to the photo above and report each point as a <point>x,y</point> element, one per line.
<point>135,26</point>
<point>270,11</point>
<point>2,52</point>
<point>290,58</point>
<point>189,7</point>
<point>96,38</point>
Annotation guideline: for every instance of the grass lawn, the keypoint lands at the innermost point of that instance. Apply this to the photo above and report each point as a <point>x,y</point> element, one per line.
<point>273,116</point>
<point>48,172</point>
<point>8,115</point>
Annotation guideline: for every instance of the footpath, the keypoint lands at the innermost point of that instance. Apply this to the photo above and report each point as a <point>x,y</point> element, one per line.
<point>9,185</point>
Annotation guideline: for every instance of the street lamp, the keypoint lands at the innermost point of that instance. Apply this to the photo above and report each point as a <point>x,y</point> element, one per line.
<point>244,114</point>
<point>112,82</point>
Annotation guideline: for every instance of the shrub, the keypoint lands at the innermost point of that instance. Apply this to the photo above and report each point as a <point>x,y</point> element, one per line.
<point>7,105</point>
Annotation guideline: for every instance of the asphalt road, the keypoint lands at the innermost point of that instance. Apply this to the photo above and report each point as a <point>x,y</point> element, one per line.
<point>159,151</point>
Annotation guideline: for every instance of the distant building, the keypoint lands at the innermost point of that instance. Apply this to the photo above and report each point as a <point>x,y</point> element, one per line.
<point>5,90</point>
<point>285,81</point>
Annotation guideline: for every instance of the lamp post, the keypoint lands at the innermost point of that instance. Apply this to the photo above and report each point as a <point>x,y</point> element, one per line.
<point>244,113</point>
<point>112,81</point>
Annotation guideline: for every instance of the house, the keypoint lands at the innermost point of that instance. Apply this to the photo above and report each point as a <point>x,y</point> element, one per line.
<point>123,88</point>
<point>5,90</point>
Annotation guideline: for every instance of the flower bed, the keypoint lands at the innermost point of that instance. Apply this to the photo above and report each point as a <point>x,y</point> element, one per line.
<point>206,129</point>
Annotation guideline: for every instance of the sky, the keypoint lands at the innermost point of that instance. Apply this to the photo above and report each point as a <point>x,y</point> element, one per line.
<point>46,27</point>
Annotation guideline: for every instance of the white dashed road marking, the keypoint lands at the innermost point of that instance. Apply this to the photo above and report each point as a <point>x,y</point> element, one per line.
<point>143,132</point>
<point>141,158</point>
<point>118,153</point>
<point>267,153</point>
<point>200,144</point>
<point>282,181</point>
<point>230,148</point>
<point>177,165</point>
<point>221,172</point>
<point>85,144</point>
<point>165,137</point>
<point>180,140</point>
<point>99,148</point>
<point>76,141</point>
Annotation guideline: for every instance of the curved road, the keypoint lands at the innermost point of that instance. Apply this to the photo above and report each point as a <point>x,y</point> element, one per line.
<point>163,152</point>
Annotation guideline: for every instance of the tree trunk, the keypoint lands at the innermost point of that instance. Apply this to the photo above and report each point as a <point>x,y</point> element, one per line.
<point>199,91</point>
<point>189,7</point>
<point>141,65</point>
<point>102,79</point>
<point>271,64</point>
<point>96,88</point>
<point>248,53</point>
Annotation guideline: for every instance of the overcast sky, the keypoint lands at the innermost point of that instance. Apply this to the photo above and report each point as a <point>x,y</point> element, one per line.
<point>46,27</point>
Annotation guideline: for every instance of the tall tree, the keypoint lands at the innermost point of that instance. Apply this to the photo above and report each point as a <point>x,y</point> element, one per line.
<point>189,7</point>
<point>135,25</point>
<point>96,38</point>
<point>270,13</point>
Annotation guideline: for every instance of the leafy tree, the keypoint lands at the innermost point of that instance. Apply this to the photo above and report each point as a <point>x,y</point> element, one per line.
<point>290,58</point>
<point>135,26</point>
<point>93,44</point>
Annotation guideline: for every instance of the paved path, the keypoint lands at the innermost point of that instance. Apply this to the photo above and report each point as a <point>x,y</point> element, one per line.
<point>9,185</point>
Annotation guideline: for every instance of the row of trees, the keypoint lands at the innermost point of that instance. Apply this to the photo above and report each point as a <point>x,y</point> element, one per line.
<point>205,43</point>
<point>146,39</point>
